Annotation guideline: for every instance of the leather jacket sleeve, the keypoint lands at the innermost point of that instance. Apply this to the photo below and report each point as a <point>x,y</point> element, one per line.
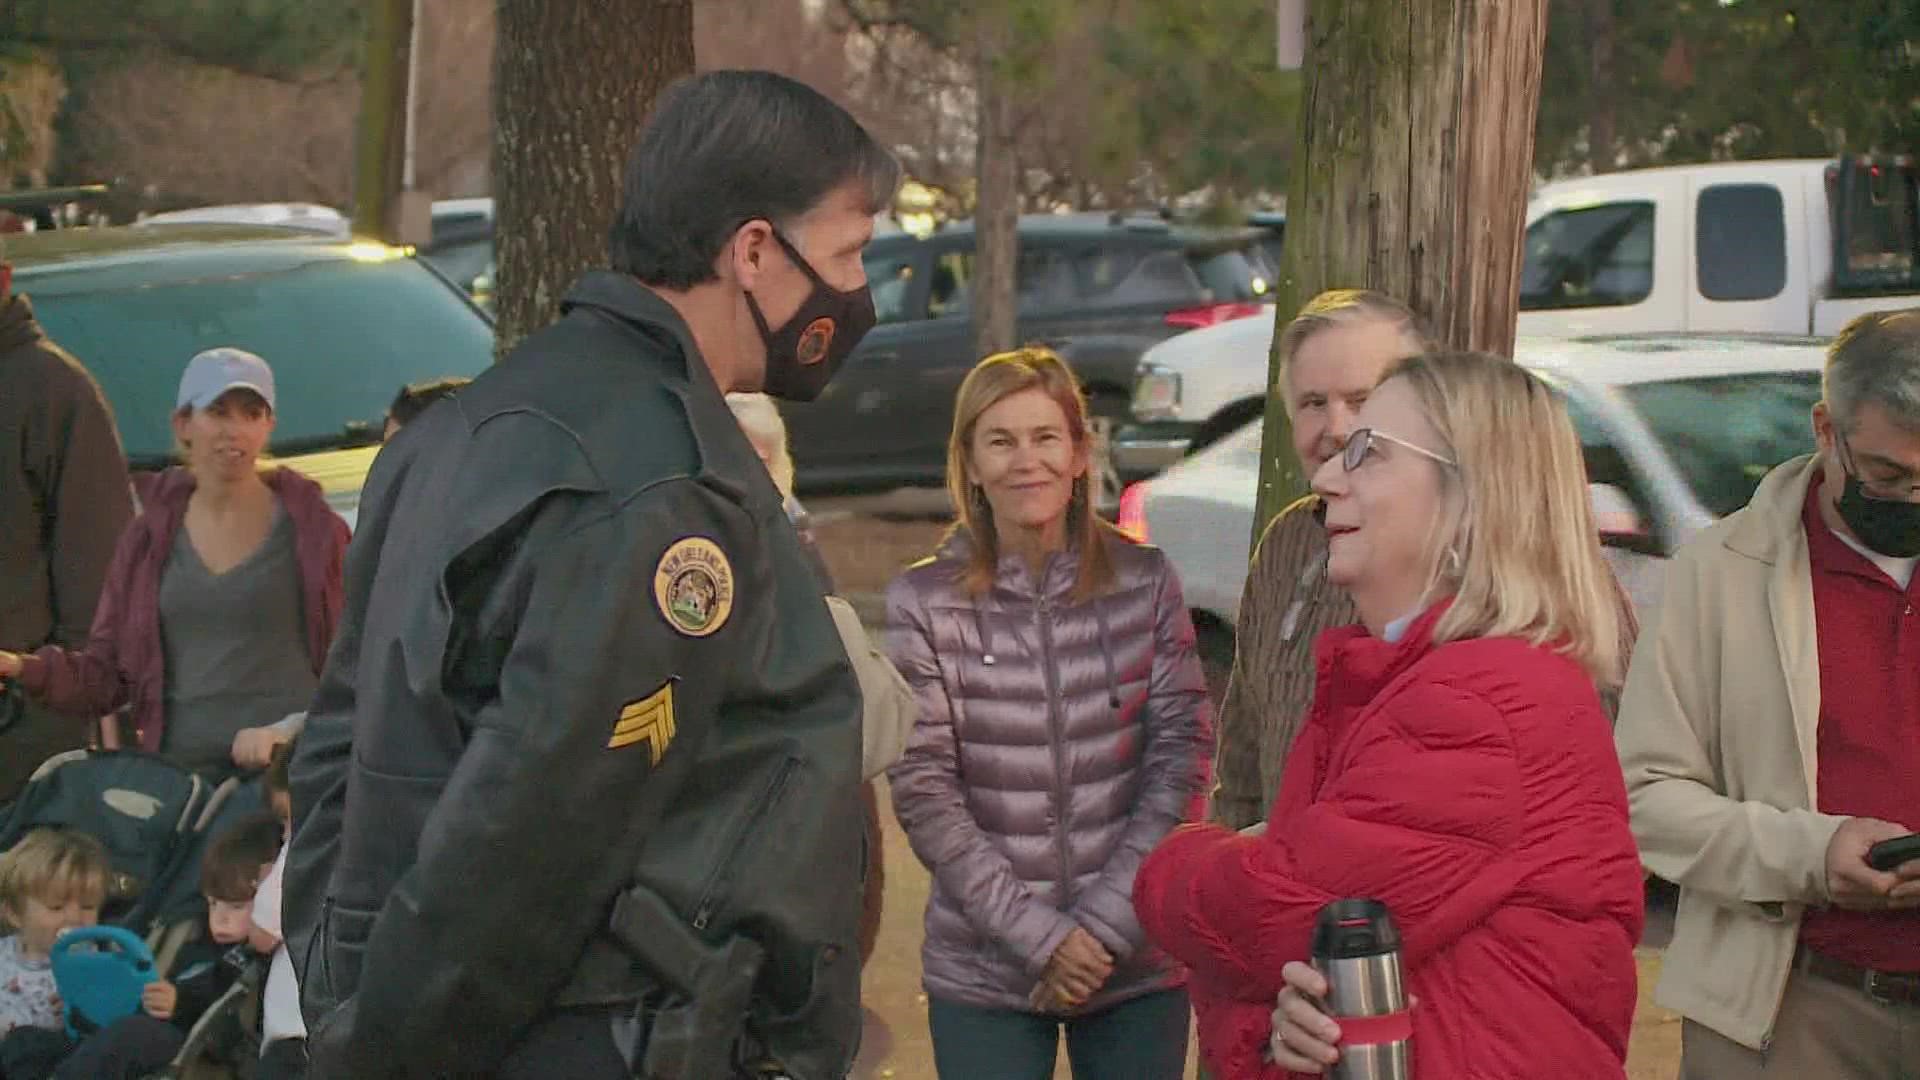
<point>538,826</point>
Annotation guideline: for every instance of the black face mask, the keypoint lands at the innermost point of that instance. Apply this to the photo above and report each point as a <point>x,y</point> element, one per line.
<point>804,354</point>
<point>1888,526</point>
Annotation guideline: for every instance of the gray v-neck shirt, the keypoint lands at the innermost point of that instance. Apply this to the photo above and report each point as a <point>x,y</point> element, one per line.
<point>235,645</point>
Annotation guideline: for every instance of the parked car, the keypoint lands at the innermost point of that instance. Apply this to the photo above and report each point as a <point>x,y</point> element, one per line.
<point>1274,222</point>
<point>461,246</point>
<point>344,325</point>
<point>1099,288</point>
<point>308,217</point>
<point>1734,247</point>
<point>1677,432</point>
<point>1786,247</point>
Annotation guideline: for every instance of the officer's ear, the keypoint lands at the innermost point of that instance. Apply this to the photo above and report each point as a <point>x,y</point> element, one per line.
<point>748,254</point>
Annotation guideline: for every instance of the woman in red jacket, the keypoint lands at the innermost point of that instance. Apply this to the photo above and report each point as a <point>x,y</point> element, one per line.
<point>1456,763</point>
<point>222,595</point>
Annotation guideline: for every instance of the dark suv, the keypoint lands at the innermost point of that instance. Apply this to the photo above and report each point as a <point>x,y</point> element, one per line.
<point>1098,288</point>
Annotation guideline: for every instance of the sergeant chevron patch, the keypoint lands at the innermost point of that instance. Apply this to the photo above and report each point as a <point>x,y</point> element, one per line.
<point>648,720</point>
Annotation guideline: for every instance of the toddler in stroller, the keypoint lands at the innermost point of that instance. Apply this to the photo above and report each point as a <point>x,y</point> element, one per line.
<point>146,826</point>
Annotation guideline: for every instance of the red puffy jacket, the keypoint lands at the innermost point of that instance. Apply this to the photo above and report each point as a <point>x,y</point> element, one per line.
<point>1472,787</point>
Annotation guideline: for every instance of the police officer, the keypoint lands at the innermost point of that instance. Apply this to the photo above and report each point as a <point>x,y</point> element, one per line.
<point>579,794</point>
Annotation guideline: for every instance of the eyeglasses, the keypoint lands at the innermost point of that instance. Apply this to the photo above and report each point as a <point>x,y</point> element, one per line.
<point>1360,445</point>
<point>1879,490</point>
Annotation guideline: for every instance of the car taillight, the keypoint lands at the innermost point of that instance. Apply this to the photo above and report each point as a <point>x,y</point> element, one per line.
<point>1194,318</point>
<point>1132,519</point>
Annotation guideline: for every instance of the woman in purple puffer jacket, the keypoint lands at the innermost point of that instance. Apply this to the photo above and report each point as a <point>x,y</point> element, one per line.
<point>1063,730</point>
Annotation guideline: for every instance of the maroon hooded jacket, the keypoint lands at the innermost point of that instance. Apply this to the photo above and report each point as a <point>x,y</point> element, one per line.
<point>123,664</point>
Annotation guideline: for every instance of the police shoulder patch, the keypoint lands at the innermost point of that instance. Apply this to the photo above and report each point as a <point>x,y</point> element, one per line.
<point>648,720</point>
<point>693,586</point>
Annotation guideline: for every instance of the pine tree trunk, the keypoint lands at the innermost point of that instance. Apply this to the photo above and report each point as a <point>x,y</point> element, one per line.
<point>573,81</point>
<point>1411,176</point>
<point>997,214</point>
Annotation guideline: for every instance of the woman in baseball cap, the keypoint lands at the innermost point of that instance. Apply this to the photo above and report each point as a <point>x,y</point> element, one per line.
<point>222,596</point>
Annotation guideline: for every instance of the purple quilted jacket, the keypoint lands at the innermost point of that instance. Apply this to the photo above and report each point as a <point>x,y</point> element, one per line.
<point>1056,744</point>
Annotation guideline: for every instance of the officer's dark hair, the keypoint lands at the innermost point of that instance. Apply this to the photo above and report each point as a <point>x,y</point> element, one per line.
<point>413,399</point>
<point>727,147</point>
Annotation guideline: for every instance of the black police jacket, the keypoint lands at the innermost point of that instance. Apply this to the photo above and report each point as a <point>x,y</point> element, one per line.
<point>587,735</point>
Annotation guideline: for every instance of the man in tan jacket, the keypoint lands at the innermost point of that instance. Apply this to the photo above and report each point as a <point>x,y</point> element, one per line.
<point>1770,733</point>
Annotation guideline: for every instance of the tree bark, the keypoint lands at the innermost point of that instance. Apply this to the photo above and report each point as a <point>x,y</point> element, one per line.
<point>573,83</point>
<point>1411,177</point>
<point>996,217</point>
<point>380,140</point>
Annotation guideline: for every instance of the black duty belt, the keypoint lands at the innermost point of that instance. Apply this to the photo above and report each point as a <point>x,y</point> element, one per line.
<point>1885,987</point>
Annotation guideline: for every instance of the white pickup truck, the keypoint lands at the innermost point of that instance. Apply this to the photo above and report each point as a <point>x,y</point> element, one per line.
<point>1782,247</point>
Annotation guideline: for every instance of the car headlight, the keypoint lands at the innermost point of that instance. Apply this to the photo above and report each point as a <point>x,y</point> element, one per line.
<point>1156,396</point>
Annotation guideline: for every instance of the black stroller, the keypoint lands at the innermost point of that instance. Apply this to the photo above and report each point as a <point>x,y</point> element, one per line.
<point>155,820</point>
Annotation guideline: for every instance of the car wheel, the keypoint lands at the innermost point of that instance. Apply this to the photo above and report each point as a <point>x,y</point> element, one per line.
<point>1215,646</point>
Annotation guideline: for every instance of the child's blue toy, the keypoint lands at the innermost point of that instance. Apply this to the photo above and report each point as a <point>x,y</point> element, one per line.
<point>101,972</point>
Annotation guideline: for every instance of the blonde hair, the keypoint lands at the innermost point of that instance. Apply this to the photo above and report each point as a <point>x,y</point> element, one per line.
<point>1517,547</point>
<point>53,866</point>
<point>1345,307</point>
<point>760,418</point>
<point>991,381</point>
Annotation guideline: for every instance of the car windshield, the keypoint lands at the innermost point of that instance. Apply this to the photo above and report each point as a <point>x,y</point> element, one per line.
<point>1725,432</point>
<point>341,335</point>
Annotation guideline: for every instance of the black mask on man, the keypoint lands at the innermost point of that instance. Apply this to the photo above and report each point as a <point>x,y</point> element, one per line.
<point>804,354</point>
<point>1888,526</point>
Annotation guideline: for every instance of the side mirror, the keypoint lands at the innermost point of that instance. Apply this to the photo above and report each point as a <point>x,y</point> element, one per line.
<point>1619,521</point>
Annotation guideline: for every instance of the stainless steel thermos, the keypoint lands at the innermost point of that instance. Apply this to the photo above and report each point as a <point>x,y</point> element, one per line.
<point>1357,947</point>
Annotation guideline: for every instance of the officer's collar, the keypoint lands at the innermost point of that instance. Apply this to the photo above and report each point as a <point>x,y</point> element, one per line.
<point>624,298</point>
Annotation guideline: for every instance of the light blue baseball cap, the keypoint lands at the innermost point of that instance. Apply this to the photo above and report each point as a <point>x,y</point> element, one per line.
<point>217,371</point>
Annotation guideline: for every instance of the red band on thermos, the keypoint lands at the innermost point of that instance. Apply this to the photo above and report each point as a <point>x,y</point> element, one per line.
<point>1367,1030</point>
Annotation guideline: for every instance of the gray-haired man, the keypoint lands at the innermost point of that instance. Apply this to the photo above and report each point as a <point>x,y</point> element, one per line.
<point>1770,732</point>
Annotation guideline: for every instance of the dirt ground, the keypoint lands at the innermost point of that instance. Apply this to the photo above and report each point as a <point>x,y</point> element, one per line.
<point>867,542</point>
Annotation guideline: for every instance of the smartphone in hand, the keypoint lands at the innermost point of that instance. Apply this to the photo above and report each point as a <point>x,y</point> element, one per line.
<point>1887,854</point>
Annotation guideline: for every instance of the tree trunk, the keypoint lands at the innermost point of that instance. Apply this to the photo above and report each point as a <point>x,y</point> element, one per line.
<point>1411,177</point>
<point>1601,128</point>
<point>572,84</point>
<point>996,216</point>
<point>379,142</point>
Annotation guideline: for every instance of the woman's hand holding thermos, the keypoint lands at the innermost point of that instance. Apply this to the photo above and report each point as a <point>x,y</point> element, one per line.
<point>1305,1040</point>
<point>1356,970</point>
